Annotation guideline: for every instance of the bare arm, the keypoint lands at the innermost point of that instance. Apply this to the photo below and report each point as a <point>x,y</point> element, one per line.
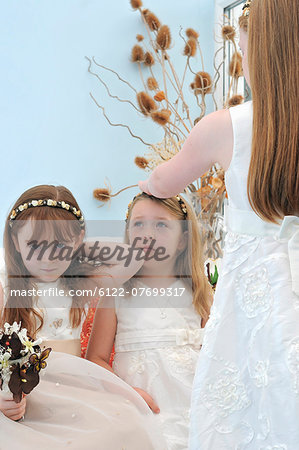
<point>102,336</point>
<point>210,141</point>
<point>101,343</point>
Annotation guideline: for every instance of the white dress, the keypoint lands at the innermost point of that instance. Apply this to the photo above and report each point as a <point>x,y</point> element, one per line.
<point>246,387</point>
<point>156,349</point>
<point>78,404</point>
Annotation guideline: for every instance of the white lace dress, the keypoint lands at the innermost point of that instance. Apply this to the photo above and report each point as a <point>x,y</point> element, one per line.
<point>246,387</point>
<point>78,404</point>
<point>156,349</point>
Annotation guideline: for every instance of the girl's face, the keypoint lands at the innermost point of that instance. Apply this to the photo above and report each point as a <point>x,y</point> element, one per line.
<point>45,262</point>
<point>243,44</point>
<point>150,220</point>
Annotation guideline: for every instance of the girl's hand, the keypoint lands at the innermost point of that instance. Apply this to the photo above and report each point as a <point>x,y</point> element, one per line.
<point>143,185</point>
<point>149,400</point>
<point>10,408</point>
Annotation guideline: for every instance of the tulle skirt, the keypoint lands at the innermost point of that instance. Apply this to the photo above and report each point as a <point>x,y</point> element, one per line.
<point>79,405</point>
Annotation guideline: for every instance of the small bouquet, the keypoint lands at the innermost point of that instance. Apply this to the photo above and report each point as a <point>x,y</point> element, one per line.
<point>21,360</point>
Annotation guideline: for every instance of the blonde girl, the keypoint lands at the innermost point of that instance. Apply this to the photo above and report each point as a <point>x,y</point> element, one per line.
<point>157,324</point>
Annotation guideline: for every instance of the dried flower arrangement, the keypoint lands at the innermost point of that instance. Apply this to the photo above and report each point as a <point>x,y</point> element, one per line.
<point>164,103</point>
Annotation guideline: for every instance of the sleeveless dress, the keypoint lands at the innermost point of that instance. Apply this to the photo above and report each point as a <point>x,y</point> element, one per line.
<point>156,349</point>
<point>78,404</point>
<point>246,387</point>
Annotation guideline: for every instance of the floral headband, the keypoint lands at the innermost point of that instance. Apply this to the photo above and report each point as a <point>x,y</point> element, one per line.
<point>246,8</point>
<point>48,202</point>
<point>179,199</point>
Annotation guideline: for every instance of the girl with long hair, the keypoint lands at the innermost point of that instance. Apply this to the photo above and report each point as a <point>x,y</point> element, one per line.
<point>157,325</point>
<point>248,366</point>
<point>77,404</point>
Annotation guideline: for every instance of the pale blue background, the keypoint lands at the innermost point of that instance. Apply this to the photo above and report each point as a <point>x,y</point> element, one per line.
<point>51,131</point>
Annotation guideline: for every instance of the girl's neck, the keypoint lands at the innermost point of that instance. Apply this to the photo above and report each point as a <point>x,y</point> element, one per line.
<point>154,279</point>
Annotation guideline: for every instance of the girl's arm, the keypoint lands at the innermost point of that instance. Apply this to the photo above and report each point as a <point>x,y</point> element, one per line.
<point>210,141</point>
<point>101,343</point>
<point>102,336</point>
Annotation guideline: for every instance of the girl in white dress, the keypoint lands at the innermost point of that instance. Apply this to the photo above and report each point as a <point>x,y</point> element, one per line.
<point>156,323</point>
<point>248,367</point>
<point>77,404</point>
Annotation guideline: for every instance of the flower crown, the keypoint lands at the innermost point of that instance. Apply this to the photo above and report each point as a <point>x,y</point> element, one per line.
<point>246,8</point>
<point>47,202</point>
<point>179,199</point>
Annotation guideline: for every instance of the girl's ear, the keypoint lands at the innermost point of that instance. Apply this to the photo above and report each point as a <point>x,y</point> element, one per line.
<point>16,242</point>
<point>183,241</point>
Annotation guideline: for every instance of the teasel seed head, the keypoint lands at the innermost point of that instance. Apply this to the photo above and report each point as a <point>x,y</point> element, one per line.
<point>102,194</point>
<point>149,60</point>
<point>235,65</point>
<point>152,84</point>
<point>136,4</point>
<point>161,117</point>
<point>190,47</point>
<point>228,32</point>
<point>141,162</point>
<point>139,37</point>
<point>203,82</point>
<point>146,103</point>
<point>191,33</point>
<point>151,19</point>
<point>159,96</point>
<point>235,100</point>
<point>137,54</point>
<point>163,38</point>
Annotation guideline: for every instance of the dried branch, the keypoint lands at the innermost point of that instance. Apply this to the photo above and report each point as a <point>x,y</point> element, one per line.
<point>118,124</point>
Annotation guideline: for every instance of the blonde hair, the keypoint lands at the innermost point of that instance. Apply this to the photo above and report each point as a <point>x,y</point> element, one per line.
<point>273,59</point>
<point>18,277</point>
<point>190,263</point>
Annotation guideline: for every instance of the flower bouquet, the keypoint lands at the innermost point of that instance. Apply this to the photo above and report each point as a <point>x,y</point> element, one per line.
<point>21,360</point>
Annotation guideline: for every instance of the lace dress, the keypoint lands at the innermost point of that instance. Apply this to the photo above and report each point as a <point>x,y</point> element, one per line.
<point>156,349</point>
<point>246,387</point>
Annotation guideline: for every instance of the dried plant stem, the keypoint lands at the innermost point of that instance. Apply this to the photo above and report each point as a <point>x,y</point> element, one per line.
<point>232,78</point>
<point>115,73</point>
<point>107,89</point>
<point>118,192</point>
<point>118,124</point>
<point>186,107</point>
<point>177,128</point>
<point>184,74</point>
<point>141,76</point>
<point>163,72</point>
<point>201,56</point>
<point>217,73</point>
<point>177,115</point>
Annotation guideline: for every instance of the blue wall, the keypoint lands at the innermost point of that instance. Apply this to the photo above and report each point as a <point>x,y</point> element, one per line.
<point>51,131</point>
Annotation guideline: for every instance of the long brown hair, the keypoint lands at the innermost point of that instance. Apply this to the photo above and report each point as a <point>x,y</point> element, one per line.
<point>18,277</point>
<point>190,261</point>
<point>273,59</point>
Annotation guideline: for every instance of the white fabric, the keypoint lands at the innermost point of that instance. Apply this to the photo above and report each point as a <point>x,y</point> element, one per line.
<point>248,371</point>
<point>156,350</point>
<point>56,309</point>
<point>79,405</point>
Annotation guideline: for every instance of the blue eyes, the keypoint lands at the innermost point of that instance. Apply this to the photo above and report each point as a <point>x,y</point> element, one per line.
<point>60,245</point>
<point>35,245</point>
<point>139,224</point>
